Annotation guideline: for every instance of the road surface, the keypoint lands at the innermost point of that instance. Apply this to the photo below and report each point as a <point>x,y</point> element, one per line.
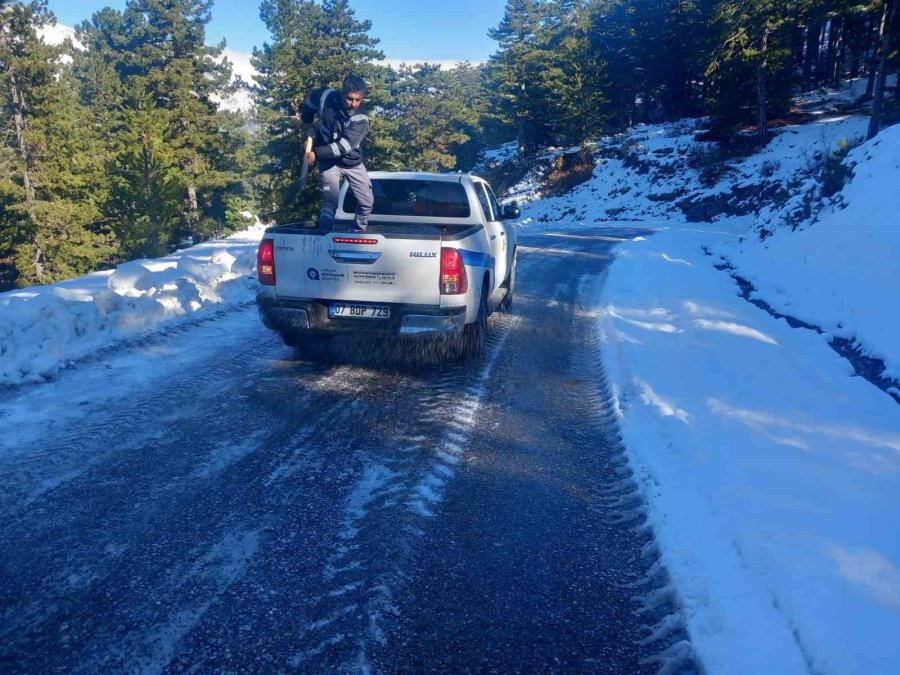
<point>211,500</point>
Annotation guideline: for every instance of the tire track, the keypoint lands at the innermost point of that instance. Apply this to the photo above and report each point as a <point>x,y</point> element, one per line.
<point>382,521</point>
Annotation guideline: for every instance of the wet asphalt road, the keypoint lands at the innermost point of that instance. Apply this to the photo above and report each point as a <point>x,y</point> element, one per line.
<point>235,507</point>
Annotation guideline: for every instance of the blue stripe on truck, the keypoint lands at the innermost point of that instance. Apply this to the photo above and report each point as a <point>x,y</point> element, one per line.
<point>476,259</point>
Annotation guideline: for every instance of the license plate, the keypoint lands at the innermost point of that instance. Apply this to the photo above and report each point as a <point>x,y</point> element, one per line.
<point>342,311</point>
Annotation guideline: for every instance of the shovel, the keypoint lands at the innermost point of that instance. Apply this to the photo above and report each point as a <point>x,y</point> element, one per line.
<point>294,191</point>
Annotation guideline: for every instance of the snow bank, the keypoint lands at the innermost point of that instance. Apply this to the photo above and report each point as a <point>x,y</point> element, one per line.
<point>43,328</point>
<point>771,473</point>
<point>841,273</point>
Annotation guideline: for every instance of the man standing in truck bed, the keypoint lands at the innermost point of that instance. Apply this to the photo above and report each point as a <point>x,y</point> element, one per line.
<point>336,148</point>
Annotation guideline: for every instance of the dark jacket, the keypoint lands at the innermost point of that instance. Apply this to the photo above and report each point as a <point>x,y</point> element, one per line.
<point>338,135</point>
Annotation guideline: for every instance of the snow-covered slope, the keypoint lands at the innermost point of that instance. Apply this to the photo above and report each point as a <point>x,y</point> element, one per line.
<point>239,101</point>
<point>242,99</point>
<point>841,272</point>
<point>771,473</point>
<point>826,261</point>
<point>57,33</point>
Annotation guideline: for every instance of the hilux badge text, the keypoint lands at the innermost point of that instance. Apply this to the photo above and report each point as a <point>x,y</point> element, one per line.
<point>422,254</point>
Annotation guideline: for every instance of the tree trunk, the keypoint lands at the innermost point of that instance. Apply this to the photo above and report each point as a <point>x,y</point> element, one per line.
<point>853,39</point>
<point>887,19</point>
<point>38,262</point>
<point>875,43</point>
<point>761,84</point>
<point>835,28</point>
<point>19,120</point>
<point>830,53</point>
<point>841,65</point>
<point>18,105</point>
<point>813,29</point>
<point>521,130</point>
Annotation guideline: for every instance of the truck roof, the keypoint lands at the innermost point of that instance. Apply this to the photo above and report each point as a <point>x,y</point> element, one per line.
<point>421,175</point>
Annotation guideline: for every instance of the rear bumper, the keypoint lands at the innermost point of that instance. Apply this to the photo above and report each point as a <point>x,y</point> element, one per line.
<point>296,315</point>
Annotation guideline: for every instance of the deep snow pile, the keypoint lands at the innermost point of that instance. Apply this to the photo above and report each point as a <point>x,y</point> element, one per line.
<point>43,328</point>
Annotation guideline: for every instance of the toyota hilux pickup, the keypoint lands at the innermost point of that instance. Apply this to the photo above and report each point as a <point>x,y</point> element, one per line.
<point>438,257</point>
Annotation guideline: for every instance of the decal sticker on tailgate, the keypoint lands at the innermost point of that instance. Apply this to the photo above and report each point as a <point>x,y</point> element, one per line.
<point>374,278</point>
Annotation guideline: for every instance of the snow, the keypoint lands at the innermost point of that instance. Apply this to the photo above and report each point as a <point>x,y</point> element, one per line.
<point>242,99</point>
<point>45,328</point>
<point>500,154</point>
<point>841,273</point>
<point>769,470</point>
<point>57,33</point>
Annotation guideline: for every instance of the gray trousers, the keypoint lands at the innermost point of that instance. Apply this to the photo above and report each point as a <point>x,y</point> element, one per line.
<point>329,184</point>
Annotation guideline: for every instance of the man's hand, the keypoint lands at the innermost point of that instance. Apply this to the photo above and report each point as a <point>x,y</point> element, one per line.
<point>311,157</point>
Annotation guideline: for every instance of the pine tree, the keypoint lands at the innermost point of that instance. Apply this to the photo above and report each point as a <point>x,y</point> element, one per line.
<point>148,184</point>
<point>670,38</point>
<point>433,118</point>
<point>527,72</point>
<point>153,56</point>
<point>889,19</point>
<point>750,66</point>
<point>346,48</point>
<point>467,84</point>
<point>613,59</point>
<point>183,75</point>
<point>49,227</point>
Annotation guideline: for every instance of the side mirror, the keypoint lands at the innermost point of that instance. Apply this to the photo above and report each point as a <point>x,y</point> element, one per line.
<point>511,212</point>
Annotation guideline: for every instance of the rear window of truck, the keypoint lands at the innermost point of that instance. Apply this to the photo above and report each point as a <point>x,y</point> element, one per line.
<point>436,199</point>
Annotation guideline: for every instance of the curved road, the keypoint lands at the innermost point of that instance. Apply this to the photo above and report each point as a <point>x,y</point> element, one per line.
<point>209,500</point>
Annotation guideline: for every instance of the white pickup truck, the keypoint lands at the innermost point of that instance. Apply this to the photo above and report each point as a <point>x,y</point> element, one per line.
<point>438,257</point>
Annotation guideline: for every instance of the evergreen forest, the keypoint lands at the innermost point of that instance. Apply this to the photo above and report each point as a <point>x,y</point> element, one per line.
<point>118,147</point>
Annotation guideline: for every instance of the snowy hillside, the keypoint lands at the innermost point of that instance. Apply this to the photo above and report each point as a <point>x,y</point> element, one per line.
<point>840,271</point>
<point>242,99</point>
<point>239,101</point>
<point>832,254</point>
<point>57,33</point>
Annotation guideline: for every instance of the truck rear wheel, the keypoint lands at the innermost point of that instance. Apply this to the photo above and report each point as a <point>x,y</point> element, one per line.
<point>507,302</point>
<point>475,333</point>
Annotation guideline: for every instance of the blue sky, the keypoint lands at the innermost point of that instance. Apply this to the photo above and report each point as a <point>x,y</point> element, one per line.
<point>414,30</point>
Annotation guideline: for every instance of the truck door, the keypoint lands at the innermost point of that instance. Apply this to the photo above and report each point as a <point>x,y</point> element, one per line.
<point>496,234</point>
<point>508,229</point>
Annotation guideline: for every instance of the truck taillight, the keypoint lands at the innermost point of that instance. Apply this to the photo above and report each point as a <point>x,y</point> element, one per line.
<point>453,273</point>
<point>265,262</point>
